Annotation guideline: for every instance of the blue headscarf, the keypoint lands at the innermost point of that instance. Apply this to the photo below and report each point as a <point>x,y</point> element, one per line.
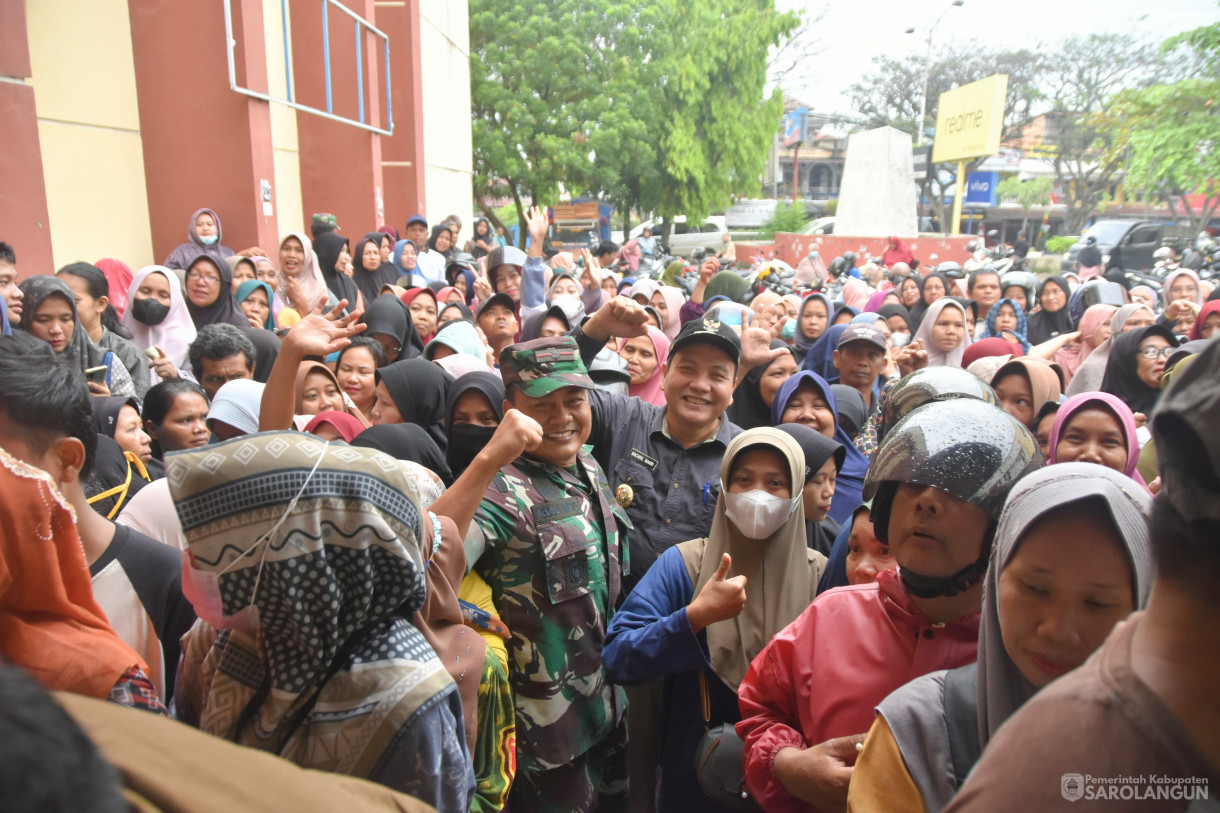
<point>250,286</point>
<point>866,318</point>
<point>850,483</point>
<point>835,572</point>
<point>1022,329</point>
<point>820,358</point>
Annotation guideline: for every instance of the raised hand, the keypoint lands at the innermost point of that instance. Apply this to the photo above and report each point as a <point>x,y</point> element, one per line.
<point>320,334</point>
<point>756,348</point>
<point>912,357</point>
<point>537,223</point>
<point>720,599</point>
<point>622,317</point>
<point>517,433</point>
<point>163,366</point>
<point>482,284</point>
<point>708,270</point>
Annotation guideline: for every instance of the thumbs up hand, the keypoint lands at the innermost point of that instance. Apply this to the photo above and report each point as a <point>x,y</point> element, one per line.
<point>720,599</point>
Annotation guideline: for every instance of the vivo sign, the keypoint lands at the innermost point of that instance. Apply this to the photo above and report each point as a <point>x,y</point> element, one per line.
<point>980,187</point>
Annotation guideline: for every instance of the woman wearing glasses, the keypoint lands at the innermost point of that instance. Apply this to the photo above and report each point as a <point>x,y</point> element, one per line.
<point>1137,359</point>
<point>209,294</point>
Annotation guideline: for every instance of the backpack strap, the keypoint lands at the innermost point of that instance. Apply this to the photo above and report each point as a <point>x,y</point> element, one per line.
<point>962,718</point>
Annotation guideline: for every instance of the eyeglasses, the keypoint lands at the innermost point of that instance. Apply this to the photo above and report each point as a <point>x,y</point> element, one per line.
<point>1156,352</point>
<point>195,276</point>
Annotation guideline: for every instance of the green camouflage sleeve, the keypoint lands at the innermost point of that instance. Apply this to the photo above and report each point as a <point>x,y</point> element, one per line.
<point>496,518</point>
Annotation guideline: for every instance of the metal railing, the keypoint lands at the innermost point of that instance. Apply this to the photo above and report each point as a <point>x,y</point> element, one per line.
<point>361,27</point>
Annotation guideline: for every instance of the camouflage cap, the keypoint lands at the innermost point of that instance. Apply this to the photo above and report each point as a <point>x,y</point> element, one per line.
<point>324,217</point>
<point>539,367</point>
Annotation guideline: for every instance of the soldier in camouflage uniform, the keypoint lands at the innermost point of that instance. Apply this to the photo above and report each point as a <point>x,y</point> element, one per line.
<point>553,549</point>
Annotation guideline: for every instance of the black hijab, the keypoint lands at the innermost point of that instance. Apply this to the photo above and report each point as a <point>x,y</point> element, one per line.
<point>1122,379</point>
<point>436,230</point>
<point>388,316</point>
<point>224,310</point>
<point>818,448</point>
<point>106,412</point>
<point>406,441</point>
<point>327,247</point>
<point>918,310</point>
<point>80,349</point>
<point>464,442</point>
<point>266,350</point>
<point>886,311</point>
<point>370,282</point>
<point>1045,324</point>
<point>420,390</point>
<point>851,409</point>
<point>800,342</point>
<point>113,476</point>
<point>748,409</point>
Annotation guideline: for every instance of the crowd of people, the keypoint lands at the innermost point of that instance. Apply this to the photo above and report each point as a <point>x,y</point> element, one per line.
<point>464,525</point>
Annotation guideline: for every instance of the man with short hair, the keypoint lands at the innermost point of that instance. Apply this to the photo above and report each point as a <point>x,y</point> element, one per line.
<point>606,253</point>
<point>498,321</point>
<point>416,231</point>
<point>220,354</point>
<point>1144,705</point>
<point>809,696</point>
<point>9,289</point>
<point>984,288</point>
<point>547,537</point>
<point>860,359</point>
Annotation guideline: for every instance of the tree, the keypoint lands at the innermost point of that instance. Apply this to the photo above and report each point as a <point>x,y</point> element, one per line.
<point>1035,192</point>
<point>1167,136</point>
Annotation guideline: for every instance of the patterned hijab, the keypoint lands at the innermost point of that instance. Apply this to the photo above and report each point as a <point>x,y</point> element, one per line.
<point>335,588</point>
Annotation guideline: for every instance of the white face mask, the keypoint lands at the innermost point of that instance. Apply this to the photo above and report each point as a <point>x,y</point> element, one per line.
<point>202,587</point>
<point>757,514</point>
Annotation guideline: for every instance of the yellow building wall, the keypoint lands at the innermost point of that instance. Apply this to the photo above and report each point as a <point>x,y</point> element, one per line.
<point>89,127</point>
<point>285,150</point>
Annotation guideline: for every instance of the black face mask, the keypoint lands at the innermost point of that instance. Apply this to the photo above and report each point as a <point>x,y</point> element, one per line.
<point>149,311</point>
<point>465,442</point>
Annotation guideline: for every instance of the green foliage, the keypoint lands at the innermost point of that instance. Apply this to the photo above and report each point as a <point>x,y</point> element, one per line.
<point>1059,244</point>
<point>1035,192</point>
<point>658,105</point>
<point>832,207</point>
<point>785,218</point>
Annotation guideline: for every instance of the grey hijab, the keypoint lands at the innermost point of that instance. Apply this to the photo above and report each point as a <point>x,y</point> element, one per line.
<point>916,713</point>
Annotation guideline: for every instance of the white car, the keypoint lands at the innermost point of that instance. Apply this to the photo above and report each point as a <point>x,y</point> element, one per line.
<point>685,237</point>
<point>823,225</point>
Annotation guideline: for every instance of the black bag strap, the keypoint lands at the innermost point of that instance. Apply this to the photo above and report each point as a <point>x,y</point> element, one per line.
<point>962,718</point>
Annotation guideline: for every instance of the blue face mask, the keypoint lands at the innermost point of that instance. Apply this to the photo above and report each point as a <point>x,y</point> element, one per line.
<point>788,333</point>
<point>210,240</point>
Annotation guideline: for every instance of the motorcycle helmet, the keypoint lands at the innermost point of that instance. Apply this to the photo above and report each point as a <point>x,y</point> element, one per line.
<point>1095,292</point>
<point>927,386</point>
<point>503,255</point>
<point>972,451</point>
<point>609,372</point>
<point>849,259</point>
<point>1023,279</point>
<point>951,270</point>
<point>464,260</point>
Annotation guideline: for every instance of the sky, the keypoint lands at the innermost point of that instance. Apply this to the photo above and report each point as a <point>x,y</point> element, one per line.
<point>853,31</point>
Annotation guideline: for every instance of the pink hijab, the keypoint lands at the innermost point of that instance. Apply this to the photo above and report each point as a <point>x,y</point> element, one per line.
<point>674,300</point>
<point>1071,356</point>
<point>631,253</point>
<point>118,275</point>
<point>936,356</point>
<point>811,268</point>
<point>1111,404</point>
<point>856,293</point>
<point>650,390</point>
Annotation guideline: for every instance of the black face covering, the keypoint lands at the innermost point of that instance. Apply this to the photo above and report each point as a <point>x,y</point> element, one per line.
<point>465,441</point>
<point>149,311</point>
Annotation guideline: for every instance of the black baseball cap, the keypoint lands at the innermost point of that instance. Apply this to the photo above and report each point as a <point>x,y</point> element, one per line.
<point>495,299</point>
<point>708,330</point>
<point>863,333</point>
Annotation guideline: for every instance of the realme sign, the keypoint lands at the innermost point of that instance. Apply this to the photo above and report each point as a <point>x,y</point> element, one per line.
<point>969,120</point>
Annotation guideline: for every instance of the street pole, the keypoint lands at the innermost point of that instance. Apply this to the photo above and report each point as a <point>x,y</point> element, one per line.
<point>927,71</point>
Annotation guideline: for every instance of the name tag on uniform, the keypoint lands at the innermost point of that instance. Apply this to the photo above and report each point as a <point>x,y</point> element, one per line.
<point>554,510</point>
<point>643,459</point>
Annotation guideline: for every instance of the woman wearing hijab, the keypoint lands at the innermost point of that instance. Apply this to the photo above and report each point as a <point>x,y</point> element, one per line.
<point>333,255</point>
<point>118,275</point>
<point>823,460</point>
<point>899,320</point>
<point>387,320</point>
<point>811,322</point>
<point>119,419</point>
<point>1052,316</point>
<point>422,304</point>
<point>701,639</point>
<point>405,258</point>
<point>209,294</point>
<point>1023,385</point>
<point>406,441</point>
<point>371,272</point>
<point>757,390</point>
<point>256,301</point>
<point>413,391</point>
<point>945,333</point>
<point>430,265</point>
<point>807,399</point>
<point>1095,427</point>
<point>1207,323</point>
<point>235,408</point>
<point>461,277</point>
<point>1182,299</point>
<point>856,293</point>
<point>473,410</point>
<point>811,269</point>
<point>368,696</point>
<point>203,236</point>
<point>483,241</point>
<point>1094,329</point>
<point>334,426</point>
<point>49,314</point>
<point>317,390</point>
<point>1088,375</point>
<point>1133,371</point>
<point>157,318</point>
<point>820,358</point>
<point>1040,620</point>
<point>896,252</point>
<point>931,288</point>
<point>630,253</point>
<point>668,301</point>
<point>1006,320</point>
<point>299,264</point>
<point>645,356</point>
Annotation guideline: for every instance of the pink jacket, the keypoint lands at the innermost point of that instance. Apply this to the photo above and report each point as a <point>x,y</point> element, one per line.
<point>825,673</point>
